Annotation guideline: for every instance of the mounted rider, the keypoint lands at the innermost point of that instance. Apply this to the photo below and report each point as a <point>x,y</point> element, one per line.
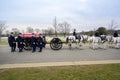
<point>97,34</point>
<point>115,34</point>
<point>74,33</point>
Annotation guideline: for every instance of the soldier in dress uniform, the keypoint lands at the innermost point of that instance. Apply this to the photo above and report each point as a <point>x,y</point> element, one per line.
<point>44,41</point>
<point>20,42</point>
<point>40,43</point>
<point>74,34</point>
<point>97,34</point>
<point>115,34</point>
<point>33,42</point>
<point>12,42</point>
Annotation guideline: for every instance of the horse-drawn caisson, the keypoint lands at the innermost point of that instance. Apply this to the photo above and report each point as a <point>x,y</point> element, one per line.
<point>55,43</point>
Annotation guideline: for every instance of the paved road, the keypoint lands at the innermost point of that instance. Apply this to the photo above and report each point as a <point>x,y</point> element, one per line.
<point>48,55</point>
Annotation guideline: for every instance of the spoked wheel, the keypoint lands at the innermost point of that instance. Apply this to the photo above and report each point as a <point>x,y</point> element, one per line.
<point>27,44</point>
<point>27,47</point>
<point>56,44</point>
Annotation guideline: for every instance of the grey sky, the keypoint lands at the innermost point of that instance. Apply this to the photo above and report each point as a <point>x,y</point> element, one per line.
<point>81,14</point>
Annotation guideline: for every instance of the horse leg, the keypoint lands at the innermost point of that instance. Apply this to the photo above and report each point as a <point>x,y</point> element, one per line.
<point>118,45</point>
<point>104,45</point>
<point>70,45</point>
<point>94,45</point>
<point>77,44</point>
<point>114,45</point>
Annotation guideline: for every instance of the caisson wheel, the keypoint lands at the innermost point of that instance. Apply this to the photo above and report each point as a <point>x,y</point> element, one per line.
<point>56,44</point>
<point>27,44</point>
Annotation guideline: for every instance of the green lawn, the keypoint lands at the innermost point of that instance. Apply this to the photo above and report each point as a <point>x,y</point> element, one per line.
<point>3,42</point>
<point>92,72</point>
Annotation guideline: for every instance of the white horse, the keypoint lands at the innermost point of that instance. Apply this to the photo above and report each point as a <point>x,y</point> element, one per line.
<point>116,42</point>
<point>72,39</point>
<point>113,42</point>
<point>96,42</point>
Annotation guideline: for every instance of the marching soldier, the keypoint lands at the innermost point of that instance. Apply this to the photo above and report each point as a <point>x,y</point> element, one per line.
<point>20,42</point>
<point>12,42</point>
<point>40,43</point>
<point>33,43</point>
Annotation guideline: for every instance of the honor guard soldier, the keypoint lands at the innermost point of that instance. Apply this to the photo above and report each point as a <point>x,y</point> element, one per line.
<point>74,34</point>
<point>20,42</point>
<point>40,43</point>
<point>33,42</point>
<point>115,34</point>
<point>44,41</point>
<point>12,42</point>
<point>97,34</point>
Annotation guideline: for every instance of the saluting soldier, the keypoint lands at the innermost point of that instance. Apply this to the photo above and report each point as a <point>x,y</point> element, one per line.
<point>12,42</point>
<point>33,42</point>
<point>40,43</point>
<point>20,42</point>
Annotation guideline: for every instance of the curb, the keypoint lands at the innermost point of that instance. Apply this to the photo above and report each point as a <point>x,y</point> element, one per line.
<point>47,64</point>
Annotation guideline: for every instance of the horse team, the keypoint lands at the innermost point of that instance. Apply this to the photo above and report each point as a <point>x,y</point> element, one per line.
<point>96,41</point>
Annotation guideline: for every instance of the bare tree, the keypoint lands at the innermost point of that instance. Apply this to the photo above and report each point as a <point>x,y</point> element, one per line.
<point>64,28</point>
<point>55,25</point>
<point>37,30</point>
<point>2,28</point>
<point>7,32</point>
<point>50,31</point>
<point>16,31</point>
<point>30,30</point>
<point>44,31</point>
<point>112,26</point>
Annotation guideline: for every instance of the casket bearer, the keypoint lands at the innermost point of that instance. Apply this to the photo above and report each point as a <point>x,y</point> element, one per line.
<point>20,42</point>
<point>40,43</point>
<point>12,42</point>
<point>33,42</point>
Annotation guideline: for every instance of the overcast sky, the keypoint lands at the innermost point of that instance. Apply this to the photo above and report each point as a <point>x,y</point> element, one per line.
<point>81,14</point>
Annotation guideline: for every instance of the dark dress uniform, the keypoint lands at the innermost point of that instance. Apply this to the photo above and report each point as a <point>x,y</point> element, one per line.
<point>79,38</point>
<point>12,43</point>
<point>44,41</point>
<point>20,43</point>
<point>74,34</point>
<point>115,34</point>
<point>40,43</point>
<point>33,43</point>
<point>96,34</point>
